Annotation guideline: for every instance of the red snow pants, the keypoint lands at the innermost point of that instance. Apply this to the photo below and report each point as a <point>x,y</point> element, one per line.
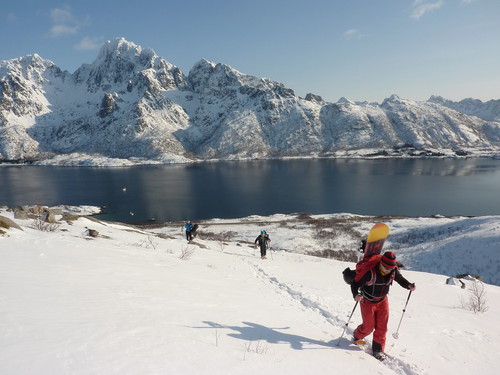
<point>375,317</point>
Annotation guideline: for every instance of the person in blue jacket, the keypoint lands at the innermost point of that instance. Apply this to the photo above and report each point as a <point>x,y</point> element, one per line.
<point>189,230</point>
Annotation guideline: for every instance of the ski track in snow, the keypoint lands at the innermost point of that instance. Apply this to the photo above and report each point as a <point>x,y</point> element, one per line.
<point>306,302</point>
<point>395,364</point>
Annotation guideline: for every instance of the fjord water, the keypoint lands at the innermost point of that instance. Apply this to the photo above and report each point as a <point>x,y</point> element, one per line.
<point>410,187</point>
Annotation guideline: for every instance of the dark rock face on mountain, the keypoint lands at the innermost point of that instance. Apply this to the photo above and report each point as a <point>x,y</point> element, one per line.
<point>131,104</point>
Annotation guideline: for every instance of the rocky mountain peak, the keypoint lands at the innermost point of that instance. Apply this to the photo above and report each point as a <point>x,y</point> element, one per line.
<point>344,100</point>
<point>122,64</point>
<point>314,98</point>
<point>121,49</point>
<point>30,67</point>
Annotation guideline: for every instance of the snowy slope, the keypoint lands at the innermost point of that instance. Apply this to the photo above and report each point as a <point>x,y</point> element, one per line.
<point>132,104</point>
<point>126,303</point>
<point>489,111</point>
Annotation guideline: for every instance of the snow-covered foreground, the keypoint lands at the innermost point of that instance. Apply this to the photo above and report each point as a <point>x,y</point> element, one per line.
<point>144,301</point>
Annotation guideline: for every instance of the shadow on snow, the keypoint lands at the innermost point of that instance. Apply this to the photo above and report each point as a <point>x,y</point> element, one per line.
<point>253,331</point>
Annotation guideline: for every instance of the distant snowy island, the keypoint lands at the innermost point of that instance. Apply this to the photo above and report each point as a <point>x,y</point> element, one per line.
<point>131,107</point>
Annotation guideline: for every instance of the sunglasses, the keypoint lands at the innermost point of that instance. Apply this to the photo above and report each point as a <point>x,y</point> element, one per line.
<point>384,269</point>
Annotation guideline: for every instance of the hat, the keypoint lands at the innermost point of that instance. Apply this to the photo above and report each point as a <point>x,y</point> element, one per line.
<point>388,260</point>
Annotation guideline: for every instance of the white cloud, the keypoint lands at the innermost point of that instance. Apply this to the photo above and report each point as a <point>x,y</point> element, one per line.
<point>62,30</point>
<point>353,34</point>
<point>421,7</point>
<point>63,22</point>
<point>89,44</point>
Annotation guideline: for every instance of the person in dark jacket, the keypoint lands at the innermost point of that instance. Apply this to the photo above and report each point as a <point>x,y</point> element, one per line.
<point>371,292</point>
<point>263,241</point>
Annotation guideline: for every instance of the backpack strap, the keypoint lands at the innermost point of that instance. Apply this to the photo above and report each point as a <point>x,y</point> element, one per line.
<point>373,277</point>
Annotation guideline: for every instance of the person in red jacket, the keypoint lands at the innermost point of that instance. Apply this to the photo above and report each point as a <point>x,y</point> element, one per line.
<point>371,292</point>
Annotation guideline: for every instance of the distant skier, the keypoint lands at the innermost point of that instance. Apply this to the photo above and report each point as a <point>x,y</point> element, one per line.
<point>194,230</point>
<point>263,241</point>
<point>371,291</point>
<point>189,230</point>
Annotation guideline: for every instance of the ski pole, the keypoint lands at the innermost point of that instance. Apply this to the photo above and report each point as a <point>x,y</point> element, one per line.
<point>396,334</point>
<point>348,320</point>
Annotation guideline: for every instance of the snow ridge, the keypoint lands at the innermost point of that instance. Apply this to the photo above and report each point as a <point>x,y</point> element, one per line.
<point>489,111</point>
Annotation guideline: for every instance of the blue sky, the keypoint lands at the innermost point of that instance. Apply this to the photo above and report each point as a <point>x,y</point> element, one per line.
<point>359,49</point>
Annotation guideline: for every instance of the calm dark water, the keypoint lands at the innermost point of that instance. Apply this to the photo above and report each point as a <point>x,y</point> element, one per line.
<point>237,189</point>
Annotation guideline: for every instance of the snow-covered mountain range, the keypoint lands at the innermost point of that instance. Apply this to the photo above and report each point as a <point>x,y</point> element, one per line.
<point>132,104</point>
